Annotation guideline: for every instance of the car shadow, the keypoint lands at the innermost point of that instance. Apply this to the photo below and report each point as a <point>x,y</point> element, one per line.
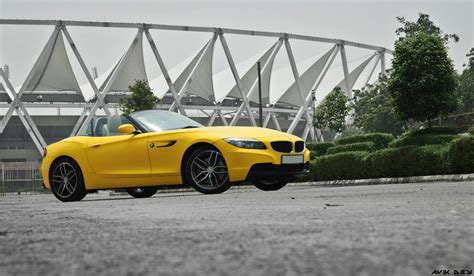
<point>132,198</point>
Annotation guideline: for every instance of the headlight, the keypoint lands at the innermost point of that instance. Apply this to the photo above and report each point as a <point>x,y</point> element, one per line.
<point>245,143</point>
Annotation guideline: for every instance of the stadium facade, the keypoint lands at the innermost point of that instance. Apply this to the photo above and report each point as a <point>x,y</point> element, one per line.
<point>228,97</point>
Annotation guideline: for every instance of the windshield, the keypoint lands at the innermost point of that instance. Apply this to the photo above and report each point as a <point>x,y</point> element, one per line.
<point>159,120</point>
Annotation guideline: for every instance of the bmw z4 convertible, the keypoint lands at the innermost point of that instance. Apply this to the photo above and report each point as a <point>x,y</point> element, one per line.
<point>155,148</point>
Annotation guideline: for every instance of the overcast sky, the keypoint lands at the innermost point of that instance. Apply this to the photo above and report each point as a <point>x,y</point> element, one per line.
<point>371,22</point>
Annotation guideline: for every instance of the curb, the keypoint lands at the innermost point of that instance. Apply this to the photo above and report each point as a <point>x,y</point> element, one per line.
<point>397,180</point>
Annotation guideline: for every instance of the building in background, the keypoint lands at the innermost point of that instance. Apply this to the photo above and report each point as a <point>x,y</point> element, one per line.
<point>52,105</point>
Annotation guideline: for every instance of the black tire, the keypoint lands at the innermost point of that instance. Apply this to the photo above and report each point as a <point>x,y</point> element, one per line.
<point>142,192</point>
<point>269,185</point>
<point>66,180</point>
<point>209,175</point>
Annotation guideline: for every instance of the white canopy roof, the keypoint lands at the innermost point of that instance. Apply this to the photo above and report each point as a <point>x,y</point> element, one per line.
<point>130,67</point>
<point>307,79</point>
<point>282,79</point>
<point>53,71</point>
<point>352,77</point>
<point>192,76</point>
<point>225,82</point>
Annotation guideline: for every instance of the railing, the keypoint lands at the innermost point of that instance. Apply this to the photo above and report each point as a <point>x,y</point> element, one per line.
<point>20,178</point>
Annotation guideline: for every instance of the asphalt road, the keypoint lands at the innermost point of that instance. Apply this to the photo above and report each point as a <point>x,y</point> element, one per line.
<point>402,229</point>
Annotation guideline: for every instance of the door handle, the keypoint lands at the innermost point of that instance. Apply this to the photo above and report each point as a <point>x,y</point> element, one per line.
<point>162,144</point>
<point>96,145</point>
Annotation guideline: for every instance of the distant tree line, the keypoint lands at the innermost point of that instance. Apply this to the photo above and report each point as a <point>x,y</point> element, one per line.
<point>422,85</point>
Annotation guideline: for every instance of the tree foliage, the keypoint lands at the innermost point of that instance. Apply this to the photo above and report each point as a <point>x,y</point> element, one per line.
<point>373,109</point>
<point>423,25</point>
<point>422,82</point>
<point>332,112</point>
<point>466,84</point>
<point>142,98</point>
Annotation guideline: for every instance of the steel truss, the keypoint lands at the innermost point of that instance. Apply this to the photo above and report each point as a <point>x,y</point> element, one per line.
<point>244,108</point>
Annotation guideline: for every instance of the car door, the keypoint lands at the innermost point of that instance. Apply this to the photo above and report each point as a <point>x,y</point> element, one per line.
<point>166,152</point>
<point>119,155</point>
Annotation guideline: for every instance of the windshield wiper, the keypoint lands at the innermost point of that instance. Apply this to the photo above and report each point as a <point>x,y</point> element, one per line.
<point>189,127</point>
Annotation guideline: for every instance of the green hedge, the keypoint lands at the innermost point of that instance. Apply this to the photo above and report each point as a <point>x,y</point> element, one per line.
<point>319,148</point>
<point>431,131</point>
<point>471,130</point>
<point>422,140</point>
<point>345,165</point>
<point>461,154</point>
<point>363,146</point>
<point>412,160</point>
<point>408,161</point>
<point>380,140</point>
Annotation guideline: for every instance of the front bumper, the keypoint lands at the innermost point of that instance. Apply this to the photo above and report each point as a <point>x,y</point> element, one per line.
<point>269,171</point>
<point>241,161</point>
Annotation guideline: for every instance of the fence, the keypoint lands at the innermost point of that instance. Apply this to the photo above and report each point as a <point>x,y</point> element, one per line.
<point>21,177</point>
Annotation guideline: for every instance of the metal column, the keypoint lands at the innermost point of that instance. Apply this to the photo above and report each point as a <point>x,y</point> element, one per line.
<point>164,71</point>
<point>240,87</point>
<point>296,75</point>
<point>345,68</point>
<point>255,83</point>
<point>298,115</point>
<point>112,79</point>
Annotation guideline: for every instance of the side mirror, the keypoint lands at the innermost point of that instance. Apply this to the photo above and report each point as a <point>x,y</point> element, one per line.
<point>127,129</point>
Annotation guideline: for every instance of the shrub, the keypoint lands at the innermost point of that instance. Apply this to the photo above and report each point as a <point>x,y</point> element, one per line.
<point>422,140</point>
<point>380,140</point>
<point>345,165</point>
<point>431,131</point>
<point>312,169</point>
<point>363,146</point>
<point>471,130</point>
<point>409,161</point>
<point>461,154</point>
<point>319,148</point>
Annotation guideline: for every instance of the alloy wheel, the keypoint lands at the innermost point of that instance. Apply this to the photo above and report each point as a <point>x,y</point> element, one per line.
<point>65,180</point>
<point>209,170</point>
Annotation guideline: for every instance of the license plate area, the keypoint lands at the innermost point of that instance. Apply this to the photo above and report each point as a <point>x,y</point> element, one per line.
<point>292,159</point>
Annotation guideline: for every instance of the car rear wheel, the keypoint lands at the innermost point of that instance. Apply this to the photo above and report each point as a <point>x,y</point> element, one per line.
<point>269,185</point>
<point>142,192</point>
<point>206,171</point>
<point>67,182</point>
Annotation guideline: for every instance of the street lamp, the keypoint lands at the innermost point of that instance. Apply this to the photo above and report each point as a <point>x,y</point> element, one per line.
<point>313,105</point>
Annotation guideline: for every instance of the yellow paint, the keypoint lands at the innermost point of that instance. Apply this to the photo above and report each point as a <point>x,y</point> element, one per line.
<point>147,159</point>
<point>126,129</point>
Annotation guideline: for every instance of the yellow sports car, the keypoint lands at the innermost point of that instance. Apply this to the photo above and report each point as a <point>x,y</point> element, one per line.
<point>159,148</point>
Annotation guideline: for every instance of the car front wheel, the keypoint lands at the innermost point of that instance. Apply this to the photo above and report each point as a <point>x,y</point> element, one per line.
<point>269,185</point>
<point>67,182</point>
<point>206,171</point>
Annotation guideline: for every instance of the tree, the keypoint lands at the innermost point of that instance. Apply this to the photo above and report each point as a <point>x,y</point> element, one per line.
<point>466,84</point>
<point>422,26</point>
<point>142,98</point>
<point>373,109</point>
<point>332,112</point>
<point>422,82</point>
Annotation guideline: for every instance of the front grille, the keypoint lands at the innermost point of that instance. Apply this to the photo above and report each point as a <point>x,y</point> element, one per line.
<point>299,146</point>
<point>282,146</point>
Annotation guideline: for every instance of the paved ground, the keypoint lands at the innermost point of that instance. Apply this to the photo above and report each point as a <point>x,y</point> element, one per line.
<point>404,229</point>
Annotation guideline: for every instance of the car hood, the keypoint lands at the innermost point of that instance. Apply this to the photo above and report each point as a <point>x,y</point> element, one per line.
<point>239,132</point>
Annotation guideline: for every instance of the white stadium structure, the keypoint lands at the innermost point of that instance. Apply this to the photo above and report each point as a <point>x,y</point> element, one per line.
<point>192,87</point>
